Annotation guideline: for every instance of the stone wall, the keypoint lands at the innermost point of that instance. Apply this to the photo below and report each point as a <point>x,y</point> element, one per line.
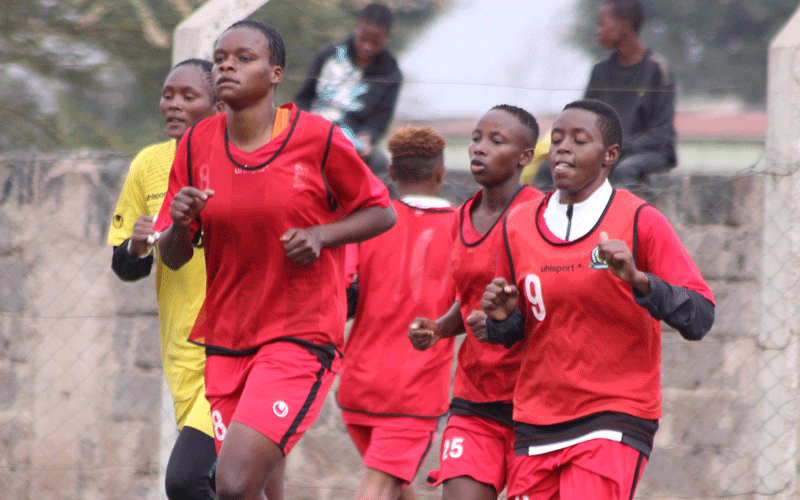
<point>80,383</point>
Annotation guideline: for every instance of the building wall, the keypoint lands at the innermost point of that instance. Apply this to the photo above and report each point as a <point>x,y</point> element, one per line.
<point>80,378</point>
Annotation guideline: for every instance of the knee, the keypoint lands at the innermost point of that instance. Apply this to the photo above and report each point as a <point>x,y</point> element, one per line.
<point>232,486</point>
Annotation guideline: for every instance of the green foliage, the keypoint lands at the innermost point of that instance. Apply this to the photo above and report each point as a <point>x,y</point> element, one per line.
<point>88,73</point>
<point>715,47</point>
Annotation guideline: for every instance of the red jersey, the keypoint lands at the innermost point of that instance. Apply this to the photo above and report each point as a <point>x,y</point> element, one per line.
<point>254,292</point>
<point>590,347</point>
<point>485,372</point>
<point>401,275</point>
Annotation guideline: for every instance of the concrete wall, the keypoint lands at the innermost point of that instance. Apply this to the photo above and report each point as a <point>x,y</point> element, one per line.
<point>80,412</point>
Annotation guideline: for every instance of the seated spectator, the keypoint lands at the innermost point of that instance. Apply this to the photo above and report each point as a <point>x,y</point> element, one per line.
<point>637,83</point>
<point>355,84</point>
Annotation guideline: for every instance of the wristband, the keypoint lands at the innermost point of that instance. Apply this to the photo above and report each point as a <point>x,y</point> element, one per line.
<point>152,239</point>
<point>149,248</point>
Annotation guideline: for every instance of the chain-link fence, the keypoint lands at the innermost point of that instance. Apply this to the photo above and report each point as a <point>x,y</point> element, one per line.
<point>81,394</point>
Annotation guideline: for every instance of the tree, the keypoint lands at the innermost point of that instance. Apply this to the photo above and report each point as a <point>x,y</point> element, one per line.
<point>88,73</point>
<point>714,47</point>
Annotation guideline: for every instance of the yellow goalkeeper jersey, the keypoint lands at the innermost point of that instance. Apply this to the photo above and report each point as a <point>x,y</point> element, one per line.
<point>180,293</point>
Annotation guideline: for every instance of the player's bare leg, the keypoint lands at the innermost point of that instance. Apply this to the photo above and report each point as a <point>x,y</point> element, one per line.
<point>466,488</point>
<point>378,485</point>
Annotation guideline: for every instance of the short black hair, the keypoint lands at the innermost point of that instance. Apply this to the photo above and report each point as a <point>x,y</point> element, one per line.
<point>628,10</point>
<point>607,119</point>
<point>277,49</point>
<point>377,14</point>
<point>205,67</point>
<point>526,118</point>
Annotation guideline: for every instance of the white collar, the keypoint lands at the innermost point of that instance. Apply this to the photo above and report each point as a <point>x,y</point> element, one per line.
<point>584,214</point>
<point>423,202</point>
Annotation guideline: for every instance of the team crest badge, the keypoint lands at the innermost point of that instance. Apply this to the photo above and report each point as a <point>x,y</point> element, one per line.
<point>597,262</point>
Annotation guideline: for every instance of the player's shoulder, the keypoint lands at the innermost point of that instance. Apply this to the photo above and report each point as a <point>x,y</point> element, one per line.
<point>311,127</point>
<point>202,134</point>
<point>156,150</point>
<point>527,193</point>
<point>208,124</point>
<point>646,215</point>
<point>153,155</point>
<point>523,213</point>
<point>307,118</point>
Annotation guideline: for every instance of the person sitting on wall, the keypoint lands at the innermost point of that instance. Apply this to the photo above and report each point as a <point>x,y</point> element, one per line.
<point>355,84</point>
<point>637,83</point>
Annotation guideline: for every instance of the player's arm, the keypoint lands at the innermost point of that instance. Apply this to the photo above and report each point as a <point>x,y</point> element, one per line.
<point>303,246</point>
<point>175,242</point>
<point>681,307</point>
<point>132,259</point>
<point>130,267</point>
<point>359,194</point>
<point>424,333</point>
<point>505,323</point>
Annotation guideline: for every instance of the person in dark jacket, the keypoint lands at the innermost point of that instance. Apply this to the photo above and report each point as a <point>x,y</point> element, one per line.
<point>355,84</point>
<point>637,83</point>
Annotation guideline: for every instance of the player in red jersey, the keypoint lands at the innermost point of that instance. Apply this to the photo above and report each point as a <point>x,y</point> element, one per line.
<point>477,445</point>
<point>593,270</point>
<point>276,192</point>
<point>391,410</point>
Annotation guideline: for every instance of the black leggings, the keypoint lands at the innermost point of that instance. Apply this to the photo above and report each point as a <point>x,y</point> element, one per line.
<point>190,465</point>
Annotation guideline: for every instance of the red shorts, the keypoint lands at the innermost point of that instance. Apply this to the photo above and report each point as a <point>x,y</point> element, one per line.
<point>394,445</point>
<point>278,391</point>
<point>478,447</point>
<point>599,469</point>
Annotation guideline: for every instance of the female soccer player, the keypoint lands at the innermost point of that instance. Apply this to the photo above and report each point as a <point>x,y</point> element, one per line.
<point>187,97</point>
<point>593,270</point>
<point>275,192</point>
<point>477,445</point>
<point>391,410</point>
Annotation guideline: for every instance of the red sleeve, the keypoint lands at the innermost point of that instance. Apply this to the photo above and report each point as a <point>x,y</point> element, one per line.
<point>351,181</point>
<point>178,178</point>
<point>661,253</point>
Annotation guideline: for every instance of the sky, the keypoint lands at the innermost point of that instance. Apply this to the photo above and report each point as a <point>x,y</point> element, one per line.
<point>488,52</point>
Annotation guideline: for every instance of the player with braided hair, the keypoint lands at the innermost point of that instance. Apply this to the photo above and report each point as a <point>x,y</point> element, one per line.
<point>276,192</point>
